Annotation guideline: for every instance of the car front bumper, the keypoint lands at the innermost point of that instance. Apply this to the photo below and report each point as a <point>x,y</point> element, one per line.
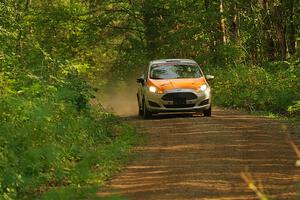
<point>200,101</point>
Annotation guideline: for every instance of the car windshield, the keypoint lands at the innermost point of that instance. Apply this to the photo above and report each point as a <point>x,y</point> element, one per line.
<point>177,71</point>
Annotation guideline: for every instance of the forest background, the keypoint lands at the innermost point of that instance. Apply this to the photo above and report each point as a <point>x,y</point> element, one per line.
<point>56,55</point>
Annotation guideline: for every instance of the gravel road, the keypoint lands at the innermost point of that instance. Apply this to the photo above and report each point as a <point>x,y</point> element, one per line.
<point>189,157</point>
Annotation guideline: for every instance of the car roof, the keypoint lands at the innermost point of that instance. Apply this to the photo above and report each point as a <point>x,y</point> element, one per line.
<point>162,61</point>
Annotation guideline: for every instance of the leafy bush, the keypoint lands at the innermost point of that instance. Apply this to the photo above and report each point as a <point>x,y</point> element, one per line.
<point>226,55</point>
<point>257,88</point>
<point>294,109</point>
<point>51,139</point>
<point>48,143</point>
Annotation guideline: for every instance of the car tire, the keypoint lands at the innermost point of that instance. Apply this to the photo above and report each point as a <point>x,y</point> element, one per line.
<point>207,113</point>
<point>146,113</point>
<point>140,112</point>
<point>140,108</point>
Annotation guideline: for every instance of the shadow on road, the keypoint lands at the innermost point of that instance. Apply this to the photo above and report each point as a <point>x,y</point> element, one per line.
<point>190,157</point>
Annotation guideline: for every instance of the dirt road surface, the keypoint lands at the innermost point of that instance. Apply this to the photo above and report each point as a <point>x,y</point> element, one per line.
<point>189,158</point>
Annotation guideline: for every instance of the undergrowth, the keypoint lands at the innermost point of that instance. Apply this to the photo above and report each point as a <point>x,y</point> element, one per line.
<point>272,88</point>
<point>50,150</point>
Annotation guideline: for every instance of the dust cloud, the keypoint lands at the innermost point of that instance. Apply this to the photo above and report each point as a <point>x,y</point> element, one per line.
<point>121,100</point>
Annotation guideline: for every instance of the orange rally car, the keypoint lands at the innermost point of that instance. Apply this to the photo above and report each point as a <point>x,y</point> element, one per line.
<point>173,85</point>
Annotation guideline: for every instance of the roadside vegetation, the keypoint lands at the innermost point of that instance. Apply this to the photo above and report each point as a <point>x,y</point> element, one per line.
<point>54,56</point>
<point>53,143</point>
<point>274,89</point>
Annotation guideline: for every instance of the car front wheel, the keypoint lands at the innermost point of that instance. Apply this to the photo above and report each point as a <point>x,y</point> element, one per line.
<point>140,107</point>
<point>146,113</point>
<point>207,113</point>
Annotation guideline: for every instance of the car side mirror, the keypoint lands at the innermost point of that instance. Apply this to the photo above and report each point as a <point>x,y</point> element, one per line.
<point>209,77</point>
<point>140,80</point>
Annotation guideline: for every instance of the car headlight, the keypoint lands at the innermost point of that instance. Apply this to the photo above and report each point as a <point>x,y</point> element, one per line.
<point>203,88</point>
<point>153,89</point>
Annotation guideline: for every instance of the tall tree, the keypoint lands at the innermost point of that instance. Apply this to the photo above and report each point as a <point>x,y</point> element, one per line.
<point>222,23</point>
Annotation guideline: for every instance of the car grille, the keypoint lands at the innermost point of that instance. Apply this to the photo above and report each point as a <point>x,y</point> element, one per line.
<point>179,95</point>
<point>180,106</point>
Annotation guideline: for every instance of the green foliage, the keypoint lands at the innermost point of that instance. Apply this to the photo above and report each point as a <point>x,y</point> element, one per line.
<point>52,141</point>
<point>49,144</point>
<point>227,55</point>
<point>294,109</point>
<point>256,88</point>
<point>53,144</point>
<point>71,193</point>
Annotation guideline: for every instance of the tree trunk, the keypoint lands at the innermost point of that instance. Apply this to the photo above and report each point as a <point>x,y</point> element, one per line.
<point>206,4</point>
<point>270,48</point>
<point>235,31</point>
<point>292,29</point>
<point>150,21</point>
<point>18,19</point>
<point>222,23</point>
<point>28,4</point>
<point>280,29</point>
